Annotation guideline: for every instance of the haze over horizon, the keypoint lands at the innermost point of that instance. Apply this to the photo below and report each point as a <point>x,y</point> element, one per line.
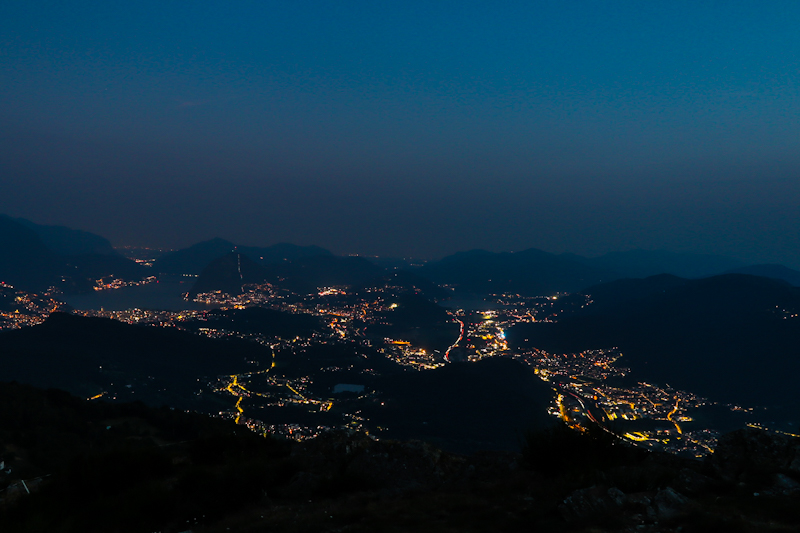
<point>410,129</point>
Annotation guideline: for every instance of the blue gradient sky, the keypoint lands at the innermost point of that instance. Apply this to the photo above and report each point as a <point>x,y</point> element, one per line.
<point>408,128</point>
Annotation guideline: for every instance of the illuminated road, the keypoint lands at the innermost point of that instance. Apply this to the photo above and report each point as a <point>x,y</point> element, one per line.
<point>672,413</point>
<point>586,410</point>
<point>460,338</point>
<point>234,384</point>
<point>240,390</point>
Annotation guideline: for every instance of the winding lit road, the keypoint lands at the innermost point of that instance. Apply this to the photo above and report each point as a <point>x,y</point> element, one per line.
<point>460,338</point>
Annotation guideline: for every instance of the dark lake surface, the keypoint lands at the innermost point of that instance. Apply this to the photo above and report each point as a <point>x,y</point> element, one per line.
<point>166,294</point>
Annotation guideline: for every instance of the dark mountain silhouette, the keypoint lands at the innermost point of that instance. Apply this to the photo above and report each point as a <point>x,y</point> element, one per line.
<point>731,337</point>
<point>786,274</point>
<point>461,407</point>
<point>26,260</point>
<point>88,355</point>
<point>318,359</point>
<point>645,263</point>
<point>308,273</point>
<point>194,259</point>
<point>416,319</point>
<point>68,241</point>
<point>613,295</point>
<point>85,465</point>
<point>530,272</point>
<point>464,406</point>
<point>535,272</point>
<point>406,281</point>
<point>228,274</point>
<point>302,275</point>
<point>395,263</point>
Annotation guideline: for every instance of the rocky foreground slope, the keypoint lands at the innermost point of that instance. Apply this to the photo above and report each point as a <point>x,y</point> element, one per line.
<point>70,465</point>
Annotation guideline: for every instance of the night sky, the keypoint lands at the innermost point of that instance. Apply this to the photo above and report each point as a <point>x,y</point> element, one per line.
<point>415,128</point>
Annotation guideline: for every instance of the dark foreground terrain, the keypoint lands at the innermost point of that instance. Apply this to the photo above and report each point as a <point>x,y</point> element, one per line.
<point>93,466</point>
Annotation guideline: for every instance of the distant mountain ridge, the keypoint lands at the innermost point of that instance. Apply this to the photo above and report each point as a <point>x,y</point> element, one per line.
<point>36,256</point>
<point>67,241</point>
<point>531,271</point>
<point>229,272</point>
<point>536,272</point>
<point>72,261</point>
<point>645,263</point>
<point>24,259</point>
<point>771,271</point>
